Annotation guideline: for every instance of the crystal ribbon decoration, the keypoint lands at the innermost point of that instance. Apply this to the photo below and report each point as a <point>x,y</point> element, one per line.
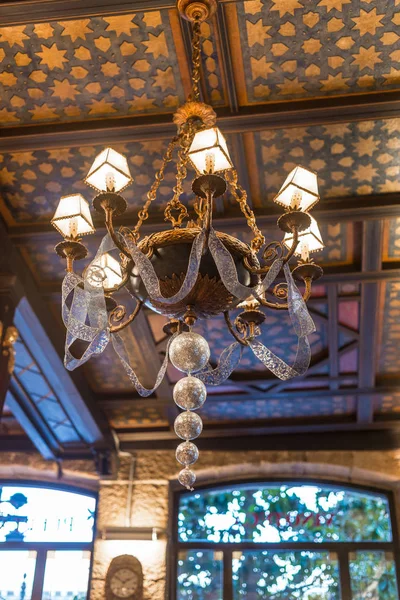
<point>228,273</point>
<point>150,279</point>
<point>120,349</point>
<point>228,361</point>
<point>87,304</point>
<point>303,326</point>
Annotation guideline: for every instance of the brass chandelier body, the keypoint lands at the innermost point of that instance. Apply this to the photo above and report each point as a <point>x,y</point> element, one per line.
<point>171,254</point>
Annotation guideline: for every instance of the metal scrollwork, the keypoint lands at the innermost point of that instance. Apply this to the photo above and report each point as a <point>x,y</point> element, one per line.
<point>118,314</point>
<point>281,291</point>
<point>273,251</point>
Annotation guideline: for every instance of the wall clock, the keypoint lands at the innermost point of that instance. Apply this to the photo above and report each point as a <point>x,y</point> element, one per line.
<point>124,579</point>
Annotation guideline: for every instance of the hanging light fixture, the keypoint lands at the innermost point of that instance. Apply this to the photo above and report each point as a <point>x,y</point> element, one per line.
<point>188,272</point>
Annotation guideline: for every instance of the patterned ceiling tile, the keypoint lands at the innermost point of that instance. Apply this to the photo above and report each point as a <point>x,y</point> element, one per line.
<point>136,417</point>
<point>389,361</point>
<point>90,68</point>
<point>291,49</point>
<point>350,159</point>
<point>283,408</point>
<point>391,240</point>
<point>389,403</point>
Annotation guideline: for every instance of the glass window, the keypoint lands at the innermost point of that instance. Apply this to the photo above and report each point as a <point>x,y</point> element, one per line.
<point>34,514</point>
<point>285,541</point>
<point>373,576</point>
<point>17,571</point>
<point>58,525</point>
<point>200,575</point>
<point>280,575</point>
<point>67,575</point>
<point>282,513</point>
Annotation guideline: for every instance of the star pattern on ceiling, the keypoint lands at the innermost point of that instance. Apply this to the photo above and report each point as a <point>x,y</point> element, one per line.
<point>338,47</point>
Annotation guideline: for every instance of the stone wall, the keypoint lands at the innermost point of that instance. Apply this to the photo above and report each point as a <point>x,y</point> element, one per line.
<point>149,492</point>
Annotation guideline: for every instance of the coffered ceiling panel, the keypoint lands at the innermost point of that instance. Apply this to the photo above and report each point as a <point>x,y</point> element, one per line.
<point>350,158</point>
<point>285,49</point>
<point>283,408</point>
<point>89,68</point>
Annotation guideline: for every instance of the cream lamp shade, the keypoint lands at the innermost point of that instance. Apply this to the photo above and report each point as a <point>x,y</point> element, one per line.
<point>72,217</point>
<point>209,152</point>
<point>310,240</point>
<point>105,272</point>
<point>109,171</point>
<point>299,191</point>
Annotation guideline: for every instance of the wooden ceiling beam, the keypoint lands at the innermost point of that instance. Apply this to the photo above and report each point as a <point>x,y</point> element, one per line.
<point>18,12</point>
<point>369,317</point>
<point>312,437</point>
<point>306,112</point>
<point>330,210</point>
<point>128,402</point>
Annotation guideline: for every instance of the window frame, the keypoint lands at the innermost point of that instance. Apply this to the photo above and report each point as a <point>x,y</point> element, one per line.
<point>42,548</point>
<point>342,549</point>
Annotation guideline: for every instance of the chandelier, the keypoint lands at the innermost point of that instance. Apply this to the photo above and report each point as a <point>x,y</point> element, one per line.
<point>189,271</point>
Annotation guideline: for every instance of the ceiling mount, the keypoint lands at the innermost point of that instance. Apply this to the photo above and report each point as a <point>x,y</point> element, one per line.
<point>197,10</point>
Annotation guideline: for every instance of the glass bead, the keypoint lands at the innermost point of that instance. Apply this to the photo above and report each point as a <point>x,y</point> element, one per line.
<point>188,425</point>
<point>190,393</point>
<point>187,453</point>
<point>189,352</point>
<point>187,478</point>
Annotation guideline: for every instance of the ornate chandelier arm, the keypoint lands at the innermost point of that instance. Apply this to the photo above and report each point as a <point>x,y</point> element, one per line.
<point>280,291</point>
<point>232,330</point>
<point>113,235</point>
<point>235,187</point>
<point>152,193</point>
<point>270,253</point>
<point>118,313</point>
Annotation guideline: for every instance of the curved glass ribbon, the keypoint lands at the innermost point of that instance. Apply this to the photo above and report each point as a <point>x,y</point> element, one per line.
<point>228,272</point>
<point>303,326</point>
<point>148,275</point>
<point>120,349</point>
<point>228,361</point>
<point>87,306</point>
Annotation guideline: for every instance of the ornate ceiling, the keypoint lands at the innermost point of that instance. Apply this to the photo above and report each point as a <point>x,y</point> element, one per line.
<point>292,82</point>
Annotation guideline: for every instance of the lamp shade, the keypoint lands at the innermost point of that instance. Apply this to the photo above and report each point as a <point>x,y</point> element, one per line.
<point>109,167</point>
<point>209,152</point>
<point>300,190</point>
<point>310,239</point>
<point>105,272</point>
<point>72,217</point>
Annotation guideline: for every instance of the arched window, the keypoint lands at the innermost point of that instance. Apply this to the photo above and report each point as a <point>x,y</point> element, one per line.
<point>285,541</point>
<point>46,539</point>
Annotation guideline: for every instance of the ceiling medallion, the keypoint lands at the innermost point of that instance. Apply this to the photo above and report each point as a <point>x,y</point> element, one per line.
<point>189,271</point>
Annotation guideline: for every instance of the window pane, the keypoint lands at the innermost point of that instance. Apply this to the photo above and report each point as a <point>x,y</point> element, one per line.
<point>17,570</point>
<point>199,575</point>
<point>67,575</point>
<point>299,575</point>
<point>284,512</point>
<point>33,514</point>
<point>373,576</point>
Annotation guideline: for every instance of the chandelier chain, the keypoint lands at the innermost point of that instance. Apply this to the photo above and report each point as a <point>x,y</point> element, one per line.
<point>175,204</point>
<point>240,196</point>
<point>196,61</point>
<point>152,193</point>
